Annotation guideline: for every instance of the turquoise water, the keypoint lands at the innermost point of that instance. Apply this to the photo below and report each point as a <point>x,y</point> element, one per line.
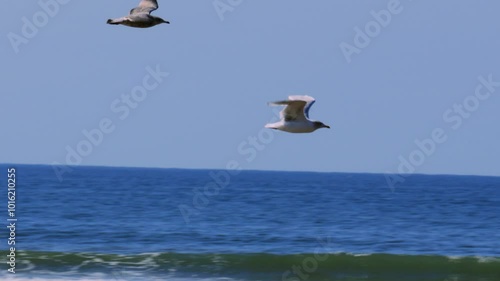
<point>168,224</point>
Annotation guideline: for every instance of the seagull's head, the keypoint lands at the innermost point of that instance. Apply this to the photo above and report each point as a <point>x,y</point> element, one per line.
<point>319,125</point>
<point>158,20</point>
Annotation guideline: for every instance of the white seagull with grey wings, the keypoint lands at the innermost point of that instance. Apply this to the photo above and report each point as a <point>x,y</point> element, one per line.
<point>295,116</point>
<point>140,16</point>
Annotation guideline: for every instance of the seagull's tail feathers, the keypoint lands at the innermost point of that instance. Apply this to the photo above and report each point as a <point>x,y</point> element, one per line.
<point>271,126</point>
<point>114,21</point>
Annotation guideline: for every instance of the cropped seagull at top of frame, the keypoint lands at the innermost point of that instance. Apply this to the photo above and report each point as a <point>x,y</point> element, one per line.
<point>295,116</point>
<point>140,16</point>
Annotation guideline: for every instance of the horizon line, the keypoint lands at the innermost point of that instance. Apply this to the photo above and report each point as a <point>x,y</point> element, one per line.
<point>251,170</point>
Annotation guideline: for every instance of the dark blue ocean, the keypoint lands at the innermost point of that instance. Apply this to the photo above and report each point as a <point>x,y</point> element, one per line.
<point>103,223</point>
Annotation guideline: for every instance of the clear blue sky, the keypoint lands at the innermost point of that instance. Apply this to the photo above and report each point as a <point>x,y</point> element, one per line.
<point>394,90</point>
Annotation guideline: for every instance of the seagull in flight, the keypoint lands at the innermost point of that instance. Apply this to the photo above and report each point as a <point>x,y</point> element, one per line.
<point>140,16</point>
<point>295,116</point>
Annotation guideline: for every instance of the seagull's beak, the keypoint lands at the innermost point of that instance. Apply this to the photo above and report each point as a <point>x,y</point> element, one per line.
<point>326,126</point>
<point>166,21</point>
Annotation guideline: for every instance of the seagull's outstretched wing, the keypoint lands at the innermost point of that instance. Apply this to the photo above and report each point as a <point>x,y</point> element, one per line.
<point>145,6</point>
<point>309,102</point>
<point>297,107</point>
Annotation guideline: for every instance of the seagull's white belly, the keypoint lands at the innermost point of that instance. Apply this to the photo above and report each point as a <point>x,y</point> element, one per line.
<point>298,127</point>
